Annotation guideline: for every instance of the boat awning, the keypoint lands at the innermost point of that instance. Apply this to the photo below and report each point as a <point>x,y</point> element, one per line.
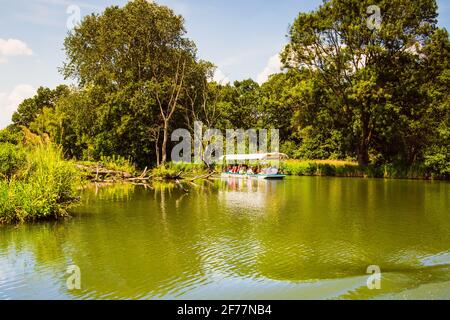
<point>255,157</point>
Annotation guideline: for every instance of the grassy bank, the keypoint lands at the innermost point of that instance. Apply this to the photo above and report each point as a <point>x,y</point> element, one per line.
<point>173,170</point>
<point>323,168</point>
<point>335,168</point>
<point>36,183</point>
<point>114,163</point>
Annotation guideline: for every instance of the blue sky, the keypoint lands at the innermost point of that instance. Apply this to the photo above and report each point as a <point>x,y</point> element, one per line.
<point>242,37</point>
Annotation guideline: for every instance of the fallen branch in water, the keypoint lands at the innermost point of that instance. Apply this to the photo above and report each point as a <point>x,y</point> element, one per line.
<point>194,184</point>
<point>204,177</point>
<point>143,173</point>
<point>139,179</point>
<point>145,185</point>
<point>100,173</point>
<point>181,186</point>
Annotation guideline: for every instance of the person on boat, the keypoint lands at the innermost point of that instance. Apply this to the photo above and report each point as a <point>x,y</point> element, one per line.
<point>272,171</point>
<point>250,171</point>
<point>243,170</point>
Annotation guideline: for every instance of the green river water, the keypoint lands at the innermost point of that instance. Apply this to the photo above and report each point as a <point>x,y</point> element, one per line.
<point>303,238</point>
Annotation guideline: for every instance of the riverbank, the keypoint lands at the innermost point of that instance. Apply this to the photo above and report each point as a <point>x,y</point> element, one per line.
<point>323,168</point>
<point>336,168</point>
<point>37,183</point>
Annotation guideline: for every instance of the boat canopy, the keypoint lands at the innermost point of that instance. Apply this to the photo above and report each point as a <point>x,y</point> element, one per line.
<point>275,156</point>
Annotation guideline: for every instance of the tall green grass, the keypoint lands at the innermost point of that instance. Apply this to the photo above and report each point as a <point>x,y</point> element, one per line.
<point>43,188</point>
<point>335,168</point>
<point>321,168</point>
<point>174,169</point>
<point>115,163</point>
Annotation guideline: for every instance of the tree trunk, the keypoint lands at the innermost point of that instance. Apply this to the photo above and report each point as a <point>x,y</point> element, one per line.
<point>363,153</point>
<point>165,141</point>
<point>158,161</point>
<point>366,134</point>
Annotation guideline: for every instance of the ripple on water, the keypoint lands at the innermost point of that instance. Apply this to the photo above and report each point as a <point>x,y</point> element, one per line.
<point>300,239</point>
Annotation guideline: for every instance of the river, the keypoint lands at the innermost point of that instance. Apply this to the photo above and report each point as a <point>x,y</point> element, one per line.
<point>302,238</point>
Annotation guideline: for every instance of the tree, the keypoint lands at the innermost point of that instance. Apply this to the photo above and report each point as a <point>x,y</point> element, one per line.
<point>436,84</point>
<point>30,108</point>
<point>141,47</point>
<point>356,62</point>
<point>282,96</point>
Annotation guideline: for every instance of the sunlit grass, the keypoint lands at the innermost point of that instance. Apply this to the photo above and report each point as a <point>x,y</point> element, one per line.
<point>337,163</point>
<point>114,163</point>
<point>45,188</point>
<point>321,168</point>
<point>175,169</point>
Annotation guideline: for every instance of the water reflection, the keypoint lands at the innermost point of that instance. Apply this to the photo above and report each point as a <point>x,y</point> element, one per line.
<point>301,238</point>
<point>249,194</point>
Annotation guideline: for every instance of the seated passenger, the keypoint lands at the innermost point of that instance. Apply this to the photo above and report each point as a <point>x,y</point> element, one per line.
<point>273,170</point>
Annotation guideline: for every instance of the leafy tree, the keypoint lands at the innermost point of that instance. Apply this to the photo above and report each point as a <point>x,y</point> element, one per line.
<point>357,63</point>
<point>349,91</point>
<point>29,109</point>
<point>436,84</point>
<point>140,47</point>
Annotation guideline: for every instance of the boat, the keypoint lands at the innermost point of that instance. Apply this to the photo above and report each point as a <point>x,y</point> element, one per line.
<point>254,176</point>
<point>258,157</point>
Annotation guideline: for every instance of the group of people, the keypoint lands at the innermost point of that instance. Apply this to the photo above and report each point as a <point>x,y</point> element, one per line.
<point>244,169</point>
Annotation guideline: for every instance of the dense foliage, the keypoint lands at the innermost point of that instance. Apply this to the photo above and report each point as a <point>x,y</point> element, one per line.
<point>380,97</point>
<point>39,183</point>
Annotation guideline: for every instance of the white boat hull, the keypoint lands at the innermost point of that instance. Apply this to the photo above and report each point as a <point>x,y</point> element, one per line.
<point>253,176</point>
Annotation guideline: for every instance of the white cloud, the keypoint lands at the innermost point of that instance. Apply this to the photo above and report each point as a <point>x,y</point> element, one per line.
<point>273,66</point>
<point>220,77</point>
<point>10,101</point>
<point>13,47</point>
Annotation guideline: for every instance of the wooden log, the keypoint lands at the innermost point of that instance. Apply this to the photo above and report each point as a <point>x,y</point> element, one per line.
<point>204,177</point>
<point>139,179</point>
<point>143,173</point>
<point>181,186</point>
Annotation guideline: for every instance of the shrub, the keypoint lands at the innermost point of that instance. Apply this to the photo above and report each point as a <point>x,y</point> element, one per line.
<point>320,168</point>
<point>174,169</point>
<point>114,163</point>
<point>118,163</point>
<point>12,159</point>
<point>46,188</point>
<point>164,172</point>
<point>11,136</point>
<point>437,160</point>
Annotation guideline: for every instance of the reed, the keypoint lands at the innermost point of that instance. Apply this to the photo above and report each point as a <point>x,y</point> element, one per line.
<point>175,169</point>
<point>45,187</point>
<point>336,168</point>
<point>321,168</point>
<point>115,163</point>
